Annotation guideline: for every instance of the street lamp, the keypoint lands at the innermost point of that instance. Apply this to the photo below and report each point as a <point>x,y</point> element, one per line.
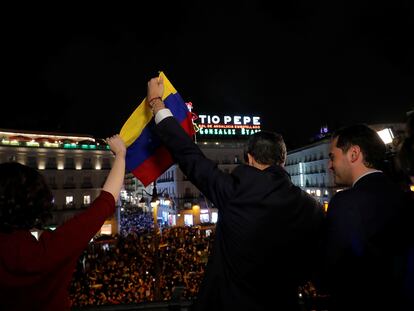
<point>154,196</point>
<point>155,202</point>
<point>142,203</point>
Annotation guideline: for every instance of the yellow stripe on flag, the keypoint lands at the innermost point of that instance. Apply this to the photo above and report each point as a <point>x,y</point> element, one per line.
<point>142,115</point>
<point>136,123</point>
<point>168,87</point>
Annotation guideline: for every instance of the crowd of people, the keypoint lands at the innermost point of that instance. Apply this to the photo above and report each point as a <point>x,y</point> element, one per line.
<point>270,240</point>
<point>123,270</point>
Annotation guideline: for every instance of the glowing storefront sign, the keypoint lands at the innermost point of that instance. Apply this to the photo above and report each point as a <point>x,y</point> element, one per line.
<point>236,125</point>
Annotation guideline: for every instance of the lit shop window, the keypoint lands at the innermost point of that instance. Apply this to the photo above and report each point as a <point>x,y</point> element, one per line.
<point>106,229</point>
<point>172,220</point>
<point>188,219</point>
<point>214,217</point>
<point>204,218</point>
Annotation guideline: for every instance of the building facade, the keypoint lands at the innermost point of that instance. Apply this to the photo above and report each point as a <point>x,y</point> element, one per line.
<point>308,168</point>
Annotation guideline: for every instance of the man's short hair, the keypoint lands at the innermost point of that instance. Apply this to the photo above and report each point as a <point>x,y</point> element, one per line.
<point>370,143</point>
<point>266,148</point>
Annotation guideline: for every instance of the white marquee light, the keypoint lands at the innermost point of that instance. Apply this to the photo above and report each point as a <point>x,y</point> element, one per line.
<point>386,135</point>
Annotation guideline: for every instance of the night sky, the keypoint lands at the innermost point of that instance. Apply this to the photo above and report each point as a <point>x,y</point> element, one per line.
<point>297,64</point>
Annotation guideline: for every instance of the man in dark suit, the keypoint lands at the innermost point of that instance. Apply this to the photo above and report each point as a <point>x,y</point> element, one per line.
<point>267,227</point>
<point>366,238</point>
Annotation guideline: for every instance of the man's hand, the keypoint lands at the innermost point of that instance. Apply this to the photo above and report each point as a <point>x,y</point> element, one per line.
<point>155,89</point>
<point>154,94</point>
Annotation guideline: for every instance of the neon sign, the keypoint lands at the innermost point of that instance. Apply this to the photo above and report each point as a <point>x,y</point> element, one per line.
<point>235,125</point>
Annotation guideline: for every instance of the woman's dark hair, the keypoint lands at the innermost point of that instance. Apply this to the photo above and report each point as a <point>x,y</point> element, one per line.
<point>371,145</point>
<point>266,148</point>
<point>25,198</point>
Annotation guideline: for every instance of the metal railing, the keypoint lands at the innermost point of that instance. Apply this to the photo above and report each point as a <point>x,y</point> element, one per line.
<point>181,305</point>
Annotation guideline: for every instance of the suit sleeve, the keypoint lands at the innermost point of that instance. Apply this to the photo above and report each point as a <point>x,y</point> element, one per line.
<point>216,185</point>
<point>342,239</point>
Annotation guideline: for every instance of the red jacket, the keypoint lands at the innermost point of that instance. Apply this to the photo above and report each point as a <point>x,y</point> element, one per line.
<point>35,275</point>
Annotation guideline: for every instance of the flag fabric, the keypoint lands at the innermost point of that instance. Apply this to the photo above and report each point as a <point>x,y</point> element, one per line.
<point>146,157</point>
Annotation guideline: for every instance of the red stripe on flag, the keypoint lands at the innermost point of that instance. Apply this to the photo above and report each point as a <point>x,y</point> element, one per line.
<point>161,160</point>
<point>187,125</point>
<point>154,166</point>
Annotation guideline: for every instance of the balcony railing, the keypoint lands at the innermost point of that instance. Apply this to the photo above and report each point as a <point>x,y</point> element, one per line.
<point>182,305</point>
<point>318,304</point>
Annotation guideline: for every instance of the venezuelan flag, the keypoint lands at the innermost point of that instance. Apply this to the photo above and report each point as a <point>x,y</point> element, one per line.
<point>146,158</point>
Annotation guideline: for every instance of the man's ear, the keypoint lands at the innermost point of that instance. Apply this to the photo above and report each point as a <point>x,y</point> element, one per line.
<point>250,159</point>
<point>354,153</point>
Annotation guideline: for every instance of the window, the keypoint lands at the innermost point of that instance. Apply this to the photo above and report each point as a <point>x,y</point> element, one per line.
<point>214,217</point>
<point>204,218</point>
<point>32,162</point>
<point>51,164</point>
<point>69,199</point>
<point>106,164</point>
<point>69,163</point>
<point>172,221</point>
<point>87,199</point>
<point>87,164</point>
<point>69,183</point>
<point>188,219</point>
<point>87,183</point>
<point>106,229</point>
<point>52,182</point>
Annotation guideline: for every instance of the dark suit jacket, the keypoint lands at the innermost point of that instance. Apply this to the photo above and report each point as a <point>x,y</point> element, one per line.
<point>365,246</point>
<point>265,234</point>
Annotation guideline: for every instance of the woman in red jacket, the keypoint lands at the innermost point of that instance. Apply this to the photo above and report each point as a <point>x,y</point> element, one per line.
<point>36,274</point>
